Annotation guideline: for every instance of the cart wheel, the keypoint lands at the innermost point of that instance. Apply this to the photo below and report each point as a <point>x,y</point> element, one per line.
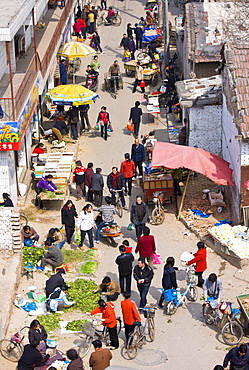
<point>128,72</point>
<point>158,215</point>
<point>154,80</point>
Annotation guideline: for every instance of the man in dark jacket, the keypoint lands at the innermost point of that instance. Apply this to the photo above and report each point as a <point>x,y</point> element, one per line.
<point>58,127</point>
<point>31,356</point>
<point>97,187</point>
<point>169,278</point>
<point>139,36</point>
<point>124,42</point>
<point>68,214</point>
<point>63,72</point>
<point>53,256</point>
<point>85,124</point>
<point>135,117</point>
<point>138,156</point>
<point>73,116</point>
<point>124,262</point>
<point>116,181</point>
<point>143,274</point>
<point>139,215</point>
<point>55,281</point>
<point>238,358</point>
<point>88,182</point>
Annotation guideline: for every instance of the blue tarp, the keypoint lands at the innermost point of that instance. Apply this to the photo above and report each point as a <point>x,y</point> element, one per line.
<point>150,34</point>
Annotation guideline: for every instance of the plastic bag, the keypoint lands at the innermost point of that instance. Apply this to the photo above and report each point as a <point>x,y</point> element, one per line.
<point>110,128</point>
<point>77,237</point>
<point>130,126</point>
<point>130,227</point>
<point>96,127</point>
<point>156,259</point>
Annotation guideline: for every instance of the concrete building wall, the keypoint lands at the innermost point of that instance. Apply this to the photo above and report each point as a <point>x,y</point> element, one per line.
<point>3,59</point>
<point>205,128</point>
<point>40,9</point>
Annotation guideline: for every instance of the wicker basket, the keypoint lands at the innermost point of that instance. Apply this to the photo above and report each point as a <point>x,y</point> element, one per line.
<point>88,329</point>
<point>149,313</point>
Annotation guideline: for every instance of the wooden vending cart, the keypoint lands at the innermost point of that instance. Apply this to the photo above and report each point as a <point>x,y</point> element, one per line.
<point>156,182</point>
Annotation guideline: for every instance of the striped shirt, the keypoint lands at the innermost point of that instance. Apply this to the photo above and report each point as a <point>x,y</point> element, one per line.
<point>107,212</point>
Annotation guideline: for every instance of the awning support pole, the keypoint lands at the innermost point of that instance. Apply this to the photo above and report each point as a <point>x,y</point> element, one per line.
<point>183,195</point>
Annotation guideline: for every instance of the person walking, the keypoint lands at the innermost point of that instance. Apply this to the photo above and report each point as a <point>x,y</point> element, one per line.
<point>104,120</point>
<point>68,214</point>
<point>63,72</point>
<point>86,225</point>
<point>97,187</point>
<point>109,319</point>
<point>128,170</point>
<point>138,156</point>
<point>124,262</point>
<point>129,30</point>
<point>200,260</point>
<point>88,182</point>
<point>132,48</point>
<point>143,274</point>
<point>130,315</point>
<point>79,179</point>
<point>169,278</point>
<point>73,117</point>
<point>103,4</point>
<point>135,117</point>
<point>116,181</point>
<point>96,41</point>
<point>124,43</point>
<point>146,246</point>
<point>138,78</point>
<point>139,36</point>
<point>139,215</point>
<point>91,22</point>
<point>107,212</point>
<point>238,358</point>
<point>85,123</point>
<point>101,357</point>
<point>77,28</point>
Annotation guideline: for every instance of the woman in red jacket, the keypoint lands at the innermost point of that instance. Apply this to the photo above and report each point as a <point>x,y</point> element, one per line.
<point>128,170</point>
<point>200,261</point>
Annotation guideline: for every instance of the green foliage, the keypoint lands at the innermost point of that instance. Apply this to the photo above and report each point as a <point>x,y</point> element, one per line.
<point>77,256</point>
<point>75,325</point>
<point>88,268</point>
<point>81,292</point>
<point>31,254</point>
<point>50,322</point>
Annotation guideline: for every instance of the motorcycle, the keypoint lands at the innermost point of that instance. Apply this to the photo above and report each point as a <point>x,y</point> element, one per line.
<point>92,82</point>
<point>158,214</point>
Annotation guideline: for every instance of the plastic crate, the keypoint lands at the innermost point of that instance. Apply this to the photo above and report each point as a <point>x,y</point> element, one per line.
<point>170,295</point>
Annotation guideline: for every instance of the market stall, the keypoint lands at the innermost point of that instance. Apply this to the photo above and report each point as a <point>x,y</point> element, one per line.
<point>55,164</point>
<point>158,182</point>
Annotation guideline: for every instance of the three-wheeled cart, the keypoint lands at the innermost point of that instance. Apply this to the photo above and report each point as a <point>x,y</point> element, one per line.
<point>158,182</point>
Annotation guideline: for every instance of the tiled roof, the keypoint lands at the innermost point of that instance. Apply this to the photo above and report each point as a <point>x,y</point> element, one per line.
<point>203,25</point>
<point>240,72</point>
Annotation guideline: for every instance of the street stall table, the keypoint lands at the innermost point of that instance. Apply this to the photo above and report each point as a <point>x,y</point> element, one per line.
<point>232,243</point>
<point>60,194</point>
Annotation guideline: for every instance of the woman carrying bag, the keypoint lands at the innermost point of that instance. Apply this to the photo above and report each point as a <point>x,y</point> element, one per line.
<point>86,224</point>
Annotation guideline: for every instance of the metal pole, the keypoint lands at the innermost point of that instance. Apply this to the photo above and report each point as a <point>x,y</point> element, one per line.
<point>183,195</point>
<point>165,10</point>
<point>11,82</point>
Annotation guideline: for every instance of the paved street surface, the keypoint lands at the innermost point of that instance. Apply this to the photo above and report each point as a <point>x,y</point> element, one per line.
<point>182,341</point>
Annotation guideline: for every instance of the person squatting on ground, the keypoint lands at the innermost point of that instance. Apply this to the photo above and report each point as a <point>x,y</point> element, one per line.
<point>108,288</point>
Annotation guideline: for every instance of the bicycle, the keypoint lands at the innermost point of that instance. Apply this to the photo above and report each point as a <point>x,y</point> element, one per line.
<point>110,84</point>
<point>23,220</point>
<point>116,20</point>
<point>231,330</point>
<point>138,337</point>
<point>158,214</point>
<point>91,332</point>
<point>174,298</point>
<point>118,203</point>
<point>12,349</point>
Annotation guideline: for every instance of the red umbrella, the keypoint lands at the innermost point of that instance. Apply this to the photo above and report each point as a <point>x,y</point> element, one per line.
<point>195,159</point>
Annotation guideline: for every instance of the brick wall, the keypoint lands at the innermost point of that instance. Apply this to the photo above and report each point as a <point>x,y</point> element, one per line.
<point>205,128</point>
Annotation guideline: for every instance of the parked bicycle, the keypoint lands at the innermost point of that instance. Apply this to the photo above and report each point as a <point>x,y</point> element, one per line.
<point>230,327</point>
<point>91,330</point>
<point>174,298</point>
<point>118,203</point>
<point>12,348</point>
<point>116,20</point>
<point>139,336</point>
<point>158,214</point>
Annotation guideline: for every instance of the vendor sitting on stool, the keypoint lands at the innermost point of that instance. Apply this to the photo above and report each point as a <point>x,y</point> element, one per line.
<point>59,126</point>
<point>45,184</point>
<point>27,233</point>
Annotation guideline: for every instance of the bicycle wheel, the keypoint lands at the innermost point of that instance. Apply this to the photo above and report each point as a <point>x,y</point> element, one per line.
<point>119,324</point>
<point>208,314</point>
<point>232,333</point>
<point>121,85</point>
<point>116,21</point>
<point>100,21</point>
<point>132,345</point>
<point>171,308</point>
<point>10,350</point>
<point>192,294</point>
<point>85,346</point>
<point>129,72</point>
<point>151,329</point>
<point>23,220</point>
<point>158,215</point>
<point>154,80</point>
<point>119,208</point>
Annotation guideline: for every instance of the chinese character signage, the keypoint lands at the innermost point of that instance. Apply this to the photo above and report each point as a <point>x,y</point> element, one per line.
<point>12,133</point>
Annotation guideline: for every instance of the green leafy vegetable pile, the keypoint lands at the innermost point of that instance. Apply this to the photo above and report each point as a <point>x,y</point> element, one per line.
<point>77,256</point>
<point>81,292</point>
<point>31,254</point>
<point>88,268</point>
<point>50,322</point>
<point>75,325</point>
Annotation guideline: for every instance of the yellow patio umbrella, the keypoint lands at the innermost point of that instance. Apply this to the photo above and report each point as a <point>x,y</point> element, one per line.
<point>71,95</point>
<point>76,49</point>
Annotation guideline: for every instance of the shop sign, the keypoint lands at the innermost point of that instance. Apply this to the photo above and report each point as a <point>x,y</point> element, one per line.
<point>12,133</point>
